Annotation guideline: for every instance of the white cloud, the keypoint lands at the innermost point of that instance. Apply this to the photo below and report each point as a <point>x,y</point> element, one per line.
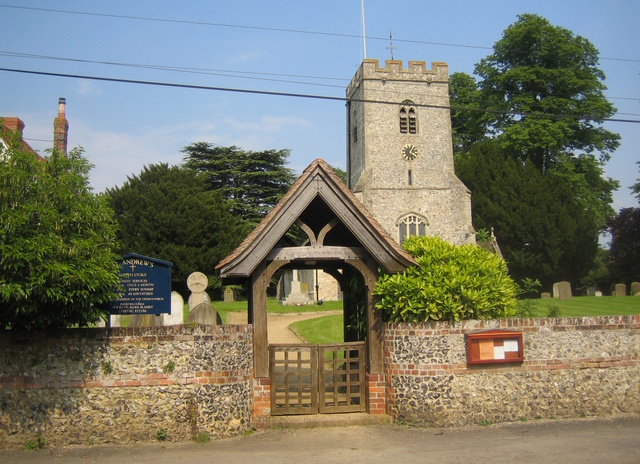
<point>87,87</point>
<point>244,58</point>
<point>117,155</point>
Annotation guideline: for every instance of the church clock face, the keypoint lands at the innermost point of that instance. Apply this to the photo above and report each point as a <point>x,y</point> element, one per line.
<point>409,152</point>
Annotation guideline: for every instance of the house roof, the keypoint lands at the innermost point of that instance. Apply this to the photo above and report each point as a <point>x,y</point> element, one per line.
<point>320,202</point>
<point>10,129</point>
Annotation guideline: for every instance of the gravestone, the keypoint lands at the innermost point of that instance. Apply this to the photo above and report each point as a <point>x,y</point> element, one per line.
<point>229,296</point>
<point>635,288</point>
<point>562,290</point>
<point>115,320</point>
<point>598,293</point>
<point>591,291</point>
<point>197,283</point>
<point>200,309</point>
<point>298,291</point>
<point>176,316</point>
<point>193,300</point>
<point>545,295</point>
<point>205,314</point>
<point>620,290</point>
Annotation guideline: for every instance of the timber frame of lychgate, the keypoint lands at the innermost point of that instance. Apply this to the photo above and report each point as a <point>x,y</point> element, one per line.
<point>343,238</point>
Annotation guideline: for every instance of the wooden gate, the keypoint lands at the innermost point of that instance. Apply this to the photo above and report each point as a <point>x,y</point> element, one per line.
<point>312,379</point>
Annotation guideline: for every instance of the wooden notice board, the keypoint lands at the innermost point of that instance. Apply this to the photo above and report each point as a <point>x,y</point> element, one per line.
<point>494,346</point>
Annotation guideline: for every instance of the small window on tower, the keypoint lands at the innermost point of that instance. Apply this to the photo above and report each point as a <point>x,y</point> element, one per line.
<point>408,118</point>
<point>403,121</point>
<point>411,224</point>
<point>413,123</point>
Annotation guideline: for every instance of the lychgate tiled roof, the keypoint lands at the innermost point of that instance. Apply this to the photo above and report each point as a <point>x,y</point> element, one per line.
<point>317,180</point>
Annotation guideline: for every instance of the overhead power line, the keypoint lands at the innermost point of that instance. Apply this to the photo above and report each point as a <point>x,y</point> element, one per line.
<point>264,76</point>
<point>252,75</point>
<point>264,28</point>
<point>300,95</point>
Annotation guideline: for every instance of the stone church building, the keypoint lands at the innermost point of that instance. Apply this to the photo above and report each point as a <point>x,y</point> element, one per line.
<point>399,162</point>
<point>400,151</point>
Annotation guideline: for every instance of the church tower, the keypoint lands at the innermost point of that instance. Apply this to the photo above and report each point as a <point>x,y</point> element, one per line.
<point>400,152</point>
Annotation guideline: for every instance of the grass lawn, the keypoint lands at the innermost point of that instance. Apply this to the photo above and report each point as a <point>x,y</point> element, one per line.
<point>590,306</point>
<point>325,329</point>
<point>329,328</point>
<point>272,307</point>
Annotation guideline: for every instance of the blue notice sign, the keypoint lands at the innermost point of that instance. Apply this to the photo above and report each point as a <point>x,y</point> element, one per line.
<point>146,286</point>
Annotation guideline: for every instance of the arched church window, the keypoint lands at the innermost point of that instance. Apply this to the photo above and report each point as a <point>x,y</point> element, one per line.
<point>411,224</point>
<point>408,118</point>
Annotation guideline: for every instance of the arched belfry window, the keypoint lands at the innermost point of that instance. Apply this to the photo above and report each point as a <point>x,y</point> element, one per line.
<point>411,224</point>
<point>408,118</point>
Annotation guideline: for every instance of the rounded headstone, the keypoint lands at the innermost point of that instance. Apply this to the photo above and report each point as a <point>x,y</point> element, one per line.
<point>205,314</point>
<point>176,316</point>
<point>197,282</point>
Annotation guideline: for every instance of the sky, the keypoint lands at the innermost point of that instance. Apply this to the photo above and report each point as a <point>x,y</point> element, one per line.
<point>282,46</point>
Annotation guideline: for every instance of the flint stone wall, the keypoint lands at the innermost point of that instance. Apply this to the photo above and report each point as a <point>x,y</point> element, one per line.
<point>119,385</point>
<point>572,367</point>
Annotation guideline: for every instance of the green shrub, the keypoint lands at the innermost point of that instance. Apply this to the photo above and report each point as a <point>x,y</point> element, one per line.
<point>202,437</point>
<point>525,307</point>
<point>37,444</point>
<point>553,310</point>
<point>449,283</point>
<point>170,367</point>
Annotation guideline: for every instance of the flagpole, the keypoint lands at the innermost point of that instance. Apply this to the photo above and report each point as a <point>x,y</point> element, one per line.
<point>364,34</point>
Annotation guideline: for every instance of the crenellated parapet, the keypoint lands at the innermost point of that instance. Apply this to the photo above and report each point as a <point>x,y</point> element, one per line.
<point>416,71</point>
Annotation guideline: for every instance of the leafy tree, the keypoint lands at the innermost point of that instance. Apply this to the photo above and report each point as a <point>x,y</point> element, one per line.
<point>252,182</point>
<point>540,98</point>
<point>542,93</point>
<point>468,126</point>
<point>624,254</point>
<point>340,173</point>
<point>168,213</point>
<point>57,242</point>
<point>542,230</point>
<point>599,276</point>
<point>450,282</point>
<point>635,188</point>
<point>537,70</point>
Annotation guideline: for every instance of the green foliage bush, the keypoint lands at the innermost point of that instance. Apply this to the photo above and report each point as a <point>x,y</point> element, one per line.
<point>450,283</point>
<point>57,242</point>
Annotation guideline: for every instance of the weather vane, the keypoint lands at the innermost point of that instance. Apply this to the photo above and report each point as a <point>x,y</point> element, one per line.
<point>391,48</point>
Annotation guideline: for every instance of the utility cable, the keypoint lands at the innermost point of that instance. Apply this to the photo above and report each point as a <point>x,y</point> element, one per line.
<point>309,96</point>
<point>269,29</point>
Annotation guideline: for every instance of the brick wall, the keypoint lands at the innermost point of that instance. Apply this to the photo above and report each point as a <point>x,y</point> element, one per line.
<point>572,367</point>
<point>125,384</point>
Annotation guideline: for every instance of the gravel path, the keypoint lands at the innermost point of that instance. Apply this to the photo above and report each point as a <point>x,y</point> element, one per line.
<point>278,324</point>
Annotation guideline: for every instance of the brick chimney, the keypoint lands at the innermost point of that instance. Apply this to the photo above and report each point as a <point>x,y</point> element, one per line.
<point>14,124</point>
<point>60,129</point>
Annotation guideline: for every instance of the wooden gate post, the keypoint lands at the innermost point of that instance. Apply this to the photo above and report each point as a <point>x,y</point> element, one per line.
<point>258,310</point>
<point>375,349</point>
